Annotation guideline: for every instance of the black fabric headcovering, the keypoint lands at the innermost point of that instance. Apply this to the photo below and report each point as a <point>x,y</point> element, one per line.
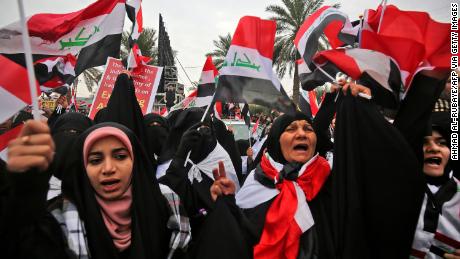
<point>278,127</point>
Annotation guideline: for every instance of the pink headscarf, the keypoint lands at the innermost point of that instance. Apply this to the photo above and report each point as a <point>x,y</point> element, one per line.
<point>116,213</point>
<point>101,133</point>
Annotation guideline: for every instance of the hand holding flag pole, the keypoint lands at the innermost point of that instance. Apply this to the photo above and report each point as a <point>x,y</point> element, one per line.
<point>29,62</point>
<point>335,81</point>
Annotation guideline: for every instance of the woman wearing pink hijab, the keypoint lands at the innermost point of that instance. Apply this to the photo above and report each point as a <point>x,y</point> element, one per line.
<point>111,206</point>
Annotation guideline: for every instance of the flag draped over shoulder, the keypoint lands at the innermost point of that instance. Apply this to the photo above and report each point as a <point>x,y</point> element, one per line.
<point>412,39</point>
<point>246,75</point>
<point>91,35</point>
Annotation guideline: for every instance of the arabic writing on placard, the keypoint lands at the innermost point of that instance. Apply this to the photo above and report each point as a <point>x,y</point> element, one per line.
<point>237,62</point>
<point>79,40</point>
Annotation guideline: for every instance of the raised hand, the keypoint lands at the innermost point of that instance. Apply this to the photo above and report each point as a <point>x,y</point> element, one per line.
<point>33,148</point>
<point>455,255</point>
<point>355,88</point>
<point>189,139</point>
<point>221,185</point>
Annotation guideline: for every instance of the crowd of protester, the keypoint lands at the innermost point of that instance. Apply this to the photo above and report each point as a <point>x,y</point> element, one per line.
<point>344,184</point>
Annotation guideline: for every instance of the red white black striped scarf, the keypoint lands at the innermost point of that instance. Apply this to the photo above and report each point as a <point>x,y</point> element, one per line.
<point>285,221</point>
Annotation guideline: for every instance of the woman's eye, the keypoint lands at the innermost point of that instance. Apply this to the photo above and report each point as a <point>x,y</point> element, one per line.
<point>94,161</point>
<point>120,156</point>
<point>308,128</point>
<point>442,143</point>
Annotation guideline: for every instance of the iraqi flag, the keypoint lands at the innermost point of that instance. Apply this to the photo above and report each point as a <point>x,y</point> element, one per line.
<point>371,68</point>
<point>412,39</point>
<point>186,102</point>
<point>136,60</point>
<point>134,12</point>
<point>246,115</point>
<point>356,62</point>
<point>14,88</point>
<point>254,130</point>
<point>207,85</point>
<point>203,95</point>
<point>314,77</point>
<point>6,137</point>
<point>91,35</point>
<point>164,112</point>
<point>308,103</point>
<point>54,72</point>
<point>218,110</point>
<point>330,21</point>
<point>247,75</point>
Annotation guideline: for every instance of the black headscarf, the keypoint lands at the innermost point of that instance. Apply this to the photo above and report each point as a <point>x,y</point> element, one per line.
<point>278,127</point>
<point>101,115</point>
<point>157,133</point>
<point>123,108</point>
<point>172,116</point>
<point>440,122</point>
<point>243,146</point>
<point>65,131</point>
<point>149,234</point>
<point>58,111</point>
<point>182,122</point>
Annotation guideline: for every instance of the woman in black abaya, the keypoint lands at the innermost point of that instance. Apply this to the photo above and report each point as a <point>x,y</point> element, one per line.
<point>111,207</point>
<point>157,129</point>
<point>65,131</point>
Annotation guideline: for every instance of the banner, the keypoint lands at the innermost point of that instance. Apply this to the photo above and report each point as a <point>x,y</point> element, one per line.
<point>48,104</point>
<point>146,82</point>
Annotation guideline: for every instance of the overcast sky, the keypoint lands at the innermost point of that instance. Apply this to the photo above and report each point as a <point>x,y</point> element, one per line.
<point>193,25</point>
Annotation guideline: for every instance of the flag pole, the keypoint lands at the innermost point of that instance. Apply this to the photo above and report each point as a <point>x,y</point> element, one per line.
<point>366,96</point>
<point>128,60</point>
<point>384,6</point>
<point>249,135</point>
<point>207,108</point>
<point>29,61</point>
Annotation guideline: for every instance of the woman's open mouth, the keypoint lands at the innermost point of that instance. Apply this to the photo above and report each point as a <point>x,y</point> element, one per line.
<point>110,185</point>
<point>301,147</point>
